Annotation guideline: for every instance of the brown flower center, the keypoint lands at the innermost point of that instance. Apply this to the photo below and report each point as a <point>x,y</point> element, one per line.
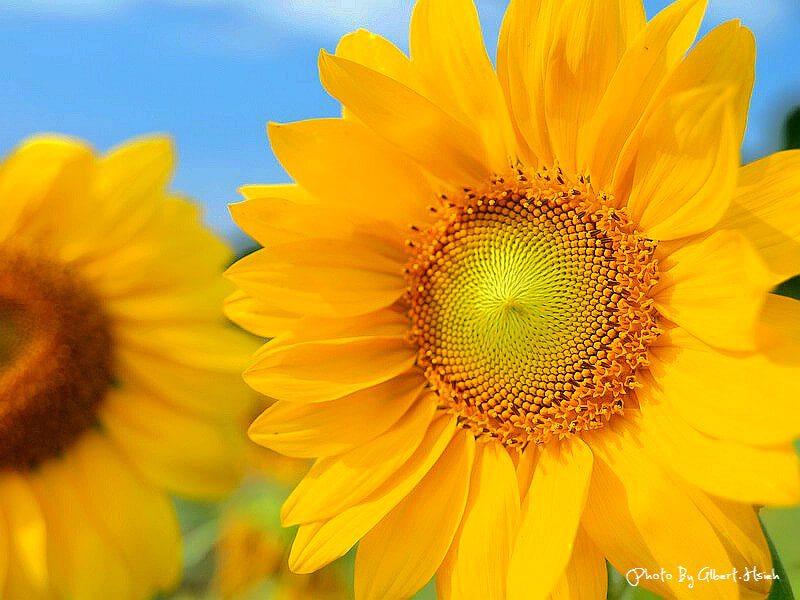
<point>529,303</point>
<point>55,358</point>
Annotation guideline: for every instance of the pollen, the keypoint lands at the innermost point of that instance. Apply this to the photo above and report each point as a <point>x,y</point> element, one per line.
<point>55,358</point>
<point>529,302</point>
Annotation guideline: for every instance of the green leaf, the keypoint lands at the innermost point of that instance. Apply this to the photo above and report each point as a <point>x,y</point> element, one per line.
<point>781,588</point>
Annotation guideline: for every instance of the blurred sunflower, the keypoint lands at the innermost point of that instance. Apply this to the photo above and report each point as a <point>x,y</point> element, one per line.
<point>522,318</point>
<point>119,381</point>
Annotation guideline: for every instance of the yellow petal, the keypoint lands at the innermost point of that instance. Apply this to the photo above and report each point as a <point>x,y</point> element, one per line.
<point>588,42</point>
<point>336,483</point>
<point>326,429</point>
<point>139,518</point>
<point>195,391</point>
<point>4,553</point>
<point>317,544</point>
<point>129,186</point>
<point>550,516</point>
<point>724,468</point>
<point>327,278</point>
<point>648,61</point>
<point>448,52</point>
<point>379,54</point>
<point>216,347</point>
<point>767,194</point>
<point>476,565</point>
<point>258,315</point>
<point>586,575</point>
<point>525,469</point>
<point>522,54</point>
<point>714,288</point>
<point>291,192</point>
<point>387,322</point>
<point>419,128</point>
<point>343,164</point>
<point>77,544</point>
<point>44,175</point>
<point>135,171</point>
<point>636,515</point>
<point>745,398</point>
<point>725,58</point>
<point>324,370</point>
<point>275,220</point>
<point>180,452</point>
<point>26,540</point>
<point>740,531</point>
<point>405,549</point>
<point>686,166</point>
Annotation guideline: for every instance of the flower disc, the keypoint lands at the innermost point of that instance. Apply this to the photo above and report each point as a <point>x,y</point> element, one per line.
<point>530,307</point>
<point>56,358</point>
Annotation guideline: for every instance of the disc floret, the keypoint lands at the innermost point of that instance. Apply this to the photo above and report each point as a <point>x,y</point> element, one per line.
<point>529,301</point>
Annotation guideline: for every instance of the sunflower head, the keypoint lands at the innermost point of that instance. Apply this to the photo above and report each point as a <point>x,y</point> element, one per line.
<point>521,316</point>
<point>119,375</point>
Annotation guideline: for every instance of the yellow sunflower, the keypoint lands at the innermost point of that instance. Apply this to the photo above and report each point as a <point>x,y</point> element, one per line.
<point>522,317</point>
<point>119,380</point>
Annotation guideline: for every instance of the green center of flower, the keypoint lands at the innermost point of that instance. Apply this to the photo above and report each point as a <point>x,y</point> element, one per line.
<point>529,304</point>
<point>55,358</point>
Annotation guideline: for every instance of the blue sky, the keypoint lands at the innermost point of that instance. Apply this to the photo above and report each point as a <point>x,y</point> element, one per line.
<point>212,73</point>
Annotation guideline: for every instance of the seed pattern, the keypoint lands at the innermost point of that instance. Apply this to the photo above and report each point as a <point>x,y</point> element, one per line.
<point>529,303</point>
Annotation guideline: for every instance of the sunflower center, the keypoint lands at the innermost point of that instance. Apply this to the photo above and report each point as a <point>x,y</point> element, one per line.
<point>55,358</point>
<point>529,302</point>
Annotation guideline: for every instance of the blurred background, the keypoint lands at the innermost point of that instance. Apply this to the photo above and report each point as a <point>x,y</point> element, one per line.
<point>212,73</point>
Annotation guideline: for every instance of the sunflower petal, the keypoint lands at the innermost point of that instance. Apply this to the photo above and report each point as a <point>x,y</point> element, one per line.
<point>588,42</point>
<point>76,544</point>
<point>323,429</point>
<point>177,451</point>
<point>724,468</point>
<point>550,517</point>
<point>405,549</point>
<point>767,191</point>
<point>422,130</point>
<point>744,398</point>
<point>686,166</point>
<point>26,541</point>
<point>343,164</point>
<point>647,62</point>
<point>586,575</point>
<point>725,58</point>
<point>327,278</point>
<point>476,565</point>
<point>633,510</point>
<point>715,289</point>
<point>739,529</point>
<point>325,370</point>
<point>522,53</point>
<point>320,543</point>
<point>448,52</point>
<point>336,483</point>
<point>47,174</point>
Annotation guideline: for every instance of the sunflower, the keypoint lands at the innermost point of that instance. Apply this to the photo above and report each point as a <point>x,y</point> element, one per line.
<point>521,317</point>
<point>119,381</point>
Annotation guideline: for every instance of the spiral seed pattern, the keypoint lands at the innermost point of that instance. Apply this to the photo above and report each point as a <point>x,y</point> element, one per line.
<point>529,303</point>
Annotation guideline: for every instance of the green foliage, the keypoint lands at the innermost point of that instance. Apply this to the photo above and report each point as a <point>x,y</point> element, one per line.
<point>791,129</point>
